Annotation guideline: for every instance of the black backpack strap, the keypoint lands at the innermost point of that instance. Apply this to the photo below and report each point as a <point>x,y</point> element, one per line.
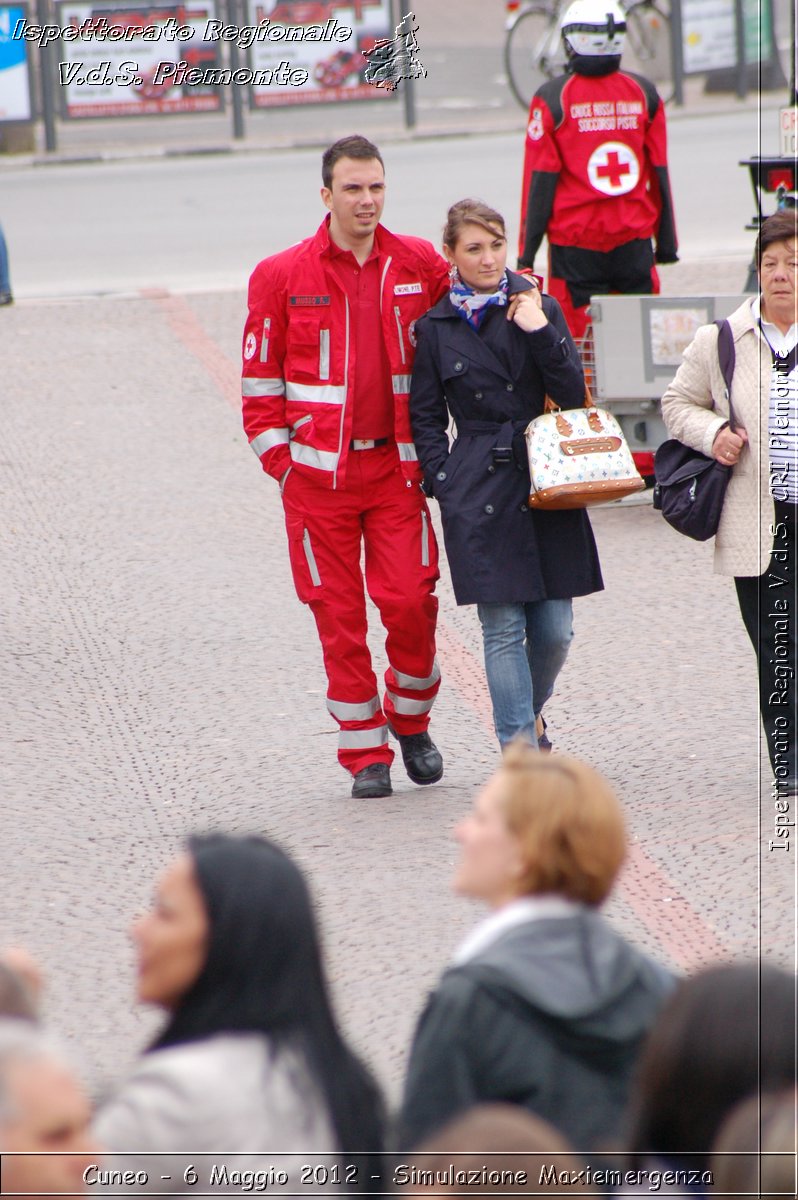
<point>726,357</point>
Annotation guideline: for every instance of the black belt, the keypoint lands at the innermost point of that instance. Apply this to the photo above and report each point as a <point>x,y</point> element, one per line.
<point>367,443</point>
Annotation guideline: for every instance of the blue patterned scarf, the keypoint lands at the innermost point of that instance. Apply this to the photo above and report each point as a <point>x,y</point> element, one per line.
<point>472,306</point>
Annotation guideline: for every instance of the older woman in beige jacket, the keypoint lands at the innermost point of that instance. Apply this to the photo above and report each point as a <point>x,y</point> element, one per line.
<point>756,542</point>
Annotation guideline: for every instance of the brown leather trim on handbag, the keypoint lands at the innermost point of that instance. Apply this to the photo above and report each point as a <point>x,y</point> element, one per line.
<point>549,406</point>
<point>591,445</point>
<point>563,428</point>
<point>577,495</point>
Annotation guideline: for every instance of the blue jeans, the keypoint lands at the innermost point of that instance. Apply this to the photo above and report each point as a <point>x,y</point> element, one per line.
<point>5,282</point>
<point>526,646</point>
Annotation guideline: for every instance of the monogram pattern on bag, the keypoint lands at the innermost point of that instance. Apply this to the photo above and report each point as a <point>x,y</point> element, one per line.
<point>551,464</point>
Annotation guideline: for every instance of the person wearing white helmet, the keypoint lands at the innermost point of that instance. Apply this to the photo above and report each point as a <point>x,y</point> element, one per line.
<point>596,170</point>
<point>594,29</point>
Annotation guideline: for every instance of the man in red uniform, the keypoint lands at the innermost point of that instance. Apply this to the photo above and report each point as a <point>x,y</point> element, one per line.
<point>328,350</point>
<point>595,170</point>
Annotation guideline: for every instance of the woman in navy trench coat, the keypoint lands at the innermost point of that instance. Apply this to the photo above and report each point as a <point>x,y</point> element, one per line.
<point>488,354</point>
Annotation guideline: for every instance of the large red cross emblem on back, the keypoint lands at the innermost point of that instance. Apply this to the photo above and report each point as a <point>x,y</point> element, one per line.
<point>613,169</point>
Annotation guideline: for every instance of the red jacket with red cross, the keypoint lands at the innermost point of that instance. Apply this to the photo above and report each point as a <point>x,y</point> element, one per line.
<point>299,361</point>
<point>596,167</point>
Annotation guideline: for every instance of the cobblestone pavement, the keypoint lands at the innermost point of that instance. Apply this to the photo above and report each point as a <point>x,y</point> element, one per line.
<point>160,678</point>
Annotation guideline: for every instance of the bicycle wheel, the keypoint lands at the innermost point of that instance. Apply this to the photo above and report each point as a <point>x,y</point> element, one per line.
<point>532,52</point>
<point>648,42</point>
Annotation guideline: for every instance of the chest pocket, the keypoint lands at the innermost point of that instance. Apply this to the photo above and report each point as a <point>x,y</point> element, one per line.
<point>309,346</point>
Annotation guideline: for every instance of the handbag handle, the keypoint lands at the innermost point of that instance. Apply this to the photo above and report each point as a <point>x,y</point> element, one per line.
<point>550,406</point>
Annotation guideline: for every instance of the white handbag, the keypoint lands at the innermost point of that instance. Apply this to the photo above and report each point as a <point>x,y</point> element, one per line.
<point>578,457</point>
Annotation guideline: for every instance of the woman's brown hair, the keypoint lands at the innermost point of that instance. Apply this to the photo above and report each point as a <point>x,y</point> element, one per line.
<point>781,227</point>
<point>470,212</point>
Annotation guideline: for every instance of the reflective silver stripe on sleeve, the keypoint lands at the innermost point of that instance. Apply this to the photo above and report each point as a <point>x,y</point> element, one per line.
<point>322,460</point>
<point>324,354</point>
<point>362,739</point>
<point>262,387</point>
<point>315,393</point>
<point>417,685</point>
<point>353,712</point>
<point>310,559</point>
<point>407,451</point>
<point>410,708</point>
<point>269,438</point>
<point>401,383</point>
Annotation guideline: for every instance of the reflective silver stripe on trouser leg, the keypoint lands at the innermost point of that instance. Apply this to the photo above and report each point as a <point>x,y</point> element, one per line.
<point>345,711</point>
<point>413,684</point>
<point>310,558</point>
<point>362,739</point>
<point>410,708</point>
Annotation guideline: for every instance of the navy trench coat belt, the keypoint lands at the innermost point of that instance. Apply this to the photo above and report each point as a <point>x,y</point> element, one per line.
<point>509,445</point>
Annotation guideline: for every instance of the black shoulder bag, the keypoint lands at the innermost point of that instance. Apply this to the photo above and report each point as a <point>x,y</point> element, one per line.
<point>691,487</point>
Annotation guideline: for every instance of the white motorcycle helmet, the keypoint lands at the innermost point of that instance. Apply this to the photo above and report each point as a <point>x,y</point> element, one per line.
<point>594,29</point>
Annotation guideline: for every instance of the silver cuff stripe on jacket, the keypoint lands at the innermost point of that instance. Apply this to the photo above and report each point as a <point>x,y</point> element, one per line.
<point>362,739</point>
<point>262,387</point>
<point>268,440</point>
<point>413,684</point>
<point>315,393</point>
<point>410,708</point>
<point>345,711</point>
<point>401,384</point>
<point>322,460</point>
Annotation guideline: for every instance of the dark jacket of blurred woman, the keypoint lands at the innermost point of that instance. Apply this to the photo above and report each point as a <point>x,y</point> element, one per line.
<point>544,1005</point>
<point>250,1061</point>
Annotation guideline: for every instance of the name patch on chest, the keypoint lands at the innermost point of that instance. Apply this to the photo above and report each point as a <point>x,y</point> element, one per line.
<point>407,289</point>
<point>308,301</point>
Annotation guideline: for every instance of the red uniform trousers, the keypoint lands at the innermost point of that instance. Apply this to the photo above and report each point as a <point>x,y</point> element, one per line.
<point>378,507</point>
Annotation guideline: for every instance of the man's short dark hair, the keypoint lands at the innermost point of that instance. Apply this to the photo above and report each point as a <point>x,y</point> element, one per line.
<point>353,146</point>
<point>781,227</point>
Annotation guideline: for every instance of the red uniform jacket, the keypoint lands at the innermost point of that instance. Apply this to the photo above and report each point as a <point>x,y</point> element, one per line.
<point>299,363</point>
<point>595,166</point>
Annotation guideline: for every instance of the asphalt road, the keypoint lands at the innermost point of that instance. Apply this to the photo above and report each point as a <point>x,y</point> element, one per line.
<point>202,222</point>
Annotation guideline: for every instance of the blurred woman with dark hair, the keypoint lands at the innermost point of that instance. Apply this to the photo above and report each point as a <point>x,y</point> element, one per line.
<point>726,1032</point>
<point>250,1059</point>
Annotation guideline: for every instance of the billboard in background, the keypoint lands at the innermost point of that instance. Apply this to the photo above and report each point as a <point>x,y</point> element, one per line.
<point>129,62</point>
<point>709,37</point>
<point>15,102</point>
<point>319,39</point>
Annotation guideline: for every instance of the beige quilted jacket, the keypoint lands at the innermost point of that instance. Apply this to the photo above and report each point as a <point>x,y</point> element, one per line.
<point>695,407</point>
